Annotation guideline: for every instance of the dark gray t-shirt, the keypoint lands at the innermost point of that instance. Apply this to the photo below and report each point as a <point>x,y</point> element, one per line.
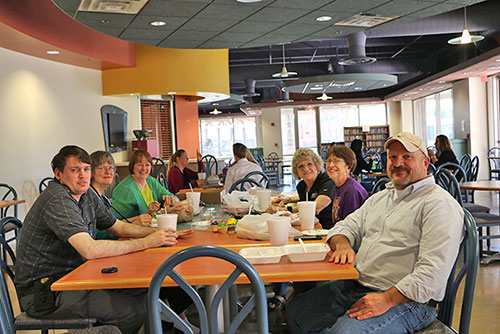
<point>55,216</point>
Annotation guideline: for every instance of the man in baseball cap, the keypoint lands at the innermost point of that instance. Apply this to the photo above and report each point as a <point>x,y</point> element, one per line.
<point>407,239</point>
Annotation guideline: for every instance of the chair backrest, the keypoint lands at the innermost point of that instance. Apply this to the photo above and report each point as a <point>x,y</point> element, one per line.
<point>258,301</point>
<point>465,161</point>
<point>210,164</point>
<point>7,193</point>
<point>163,180</point>
<point>273,155</point>
<point>261,161</point>
<point>258,176</point>
<point>431,169</point>
<point>470,250</point>
<point>44,183</point>
<point>244,184</point>
<point>456,169</point>
<point>494,152</point>
<point>445,178</point>
<point>380,184</point>
<point>474,169</point>
<point>158,167</point>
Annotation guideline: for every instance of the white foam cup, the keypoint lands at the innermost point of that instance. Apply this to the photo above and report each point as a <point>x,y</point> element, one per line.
<point>202,176</point>
<point>167,220</point>
<point>307,212</point>
<point>264,198</point>
<point>194,198</point>
<point>279,227</point>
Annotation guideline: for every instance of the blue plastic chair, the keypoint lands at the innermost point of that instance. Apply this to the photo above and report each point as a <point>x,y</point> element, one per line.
<point>260,177</point>
<point>470,250</point>
<point>447,180</point>
<point>380,184</point>
<point>244,184</point>
<point>8,193</point>
<point>44,183</point>
<point>258,301</point>
<point>210,164</point>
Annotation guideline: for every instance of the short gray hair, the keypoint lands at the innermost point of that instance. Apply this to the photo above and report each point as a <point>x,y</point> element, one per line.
<point>303,154</point>
<point>98,158</point>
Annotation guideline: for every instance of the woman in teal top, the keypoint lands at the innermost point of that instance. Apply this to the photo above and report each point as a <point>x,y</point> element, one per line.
<point>140,193</point>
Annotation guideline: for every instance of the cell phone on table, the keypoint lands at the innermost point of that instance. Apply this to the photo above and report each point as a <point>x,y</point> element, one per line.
<point>109,270</point>
<point>308,237</point>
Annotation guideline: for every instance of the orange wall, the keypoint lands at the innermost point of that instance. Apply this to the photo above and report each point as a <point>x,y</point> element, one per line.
<point>186,125</point>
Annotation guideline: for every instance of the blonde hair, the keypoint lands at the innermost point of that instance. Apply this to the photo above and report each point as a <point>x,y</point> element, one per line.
<point>172,161</point>
<point>303,154</point>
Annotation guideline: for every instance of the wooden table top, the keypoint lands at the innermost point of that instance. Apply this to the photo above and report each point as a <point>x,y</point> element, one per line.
<point>4,204</point>
<point>493,158</point>
<point>492,185</point>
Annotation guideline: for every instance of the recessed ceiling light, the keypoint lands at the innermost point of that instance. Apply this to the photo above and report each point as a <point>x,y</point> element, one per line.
<point>358,88</point>
<point>53,52</point>
<point>215,104</point>
<point>412,93</point>
<point>157,23</point>
<point>171,93</point>
<point>316,88</point>
<point>248,1</point>
<point>442,82</point>
<point>323,18</point>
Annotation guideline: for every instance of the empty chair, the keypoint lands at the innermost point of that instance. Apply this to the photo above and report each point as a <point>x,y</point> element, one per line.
<point>208,320</point>
<point>273,156</point>
<point>44,183</point>
<point>260,177</point>
<point>380,184</point>
<point>469,198</point>
<point>244,184</point>
<point>158,167</point>
<point>469,248</point>
<point>269,168</point>
<point>9,323</point>
<point>494,163</point>
<point>457,170</point>
<point>210,164</point>
<point>465,162</point>
<point>447,180</point>
<point>8,193</point>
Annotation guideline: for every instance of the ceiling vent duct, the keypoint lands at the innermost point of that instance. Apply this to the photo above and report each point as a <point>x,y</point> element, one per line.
<point>112,6</point>
<point>285,97</point>
<point>250,88</point>
<point>357,55</point>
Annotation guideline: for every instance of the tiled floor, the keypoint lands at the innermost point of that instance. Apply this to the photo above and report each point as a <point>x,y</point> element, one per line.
<point>486,309</point>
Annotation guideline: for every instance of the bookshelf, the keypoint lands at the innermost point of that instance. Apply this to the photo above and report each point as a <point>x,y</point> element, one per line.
<point>373,137</point>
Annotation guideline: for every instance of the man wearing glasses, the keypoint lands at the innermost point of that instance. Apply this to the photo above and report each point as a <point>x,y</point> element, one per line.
<point>406,239</point>
<point>58,236</point>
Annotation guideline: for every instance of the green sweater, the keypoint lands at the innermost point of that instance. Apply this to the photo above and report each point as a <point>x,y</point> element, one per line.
<point>128,200</point>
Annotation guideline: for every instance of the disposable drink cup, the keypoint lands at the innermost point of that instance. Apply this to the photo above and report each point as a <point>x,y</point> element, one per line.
<point>307,212</point>
<point>194,198</point>
<point>279,227</point>
<point>167,220</point>
<point>202,176</point>
<point>264,198</point>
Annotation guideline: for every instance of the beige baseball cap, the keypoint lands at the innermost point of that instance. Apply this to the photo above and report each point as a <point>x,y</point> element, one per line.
<point>411,142</point>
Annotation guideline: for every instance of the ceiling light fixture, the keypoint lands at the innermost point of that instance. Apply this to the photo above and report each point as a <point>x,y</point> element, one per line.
<point>466,37</point>
<point>215,112</point>
<point>284,72</point>
<point>158,23</point>
<point>323,18</point>
<point>52,52</point>
<point>324,97</point>
<point>248,1</point>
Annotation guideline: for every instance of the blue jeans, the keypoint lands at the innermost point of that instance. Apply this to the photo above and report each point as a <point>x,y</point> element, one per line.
<point>322,310</point>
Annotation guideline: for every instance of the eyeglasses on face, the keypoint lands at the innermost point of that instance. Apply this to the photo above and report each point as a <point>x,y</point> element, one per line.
<point>105,169</point>
<point>334,161</point>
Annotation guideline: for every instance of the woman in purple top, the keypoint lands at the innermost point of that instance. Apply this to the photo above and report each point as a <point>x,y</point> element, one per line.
<point>349,195</point>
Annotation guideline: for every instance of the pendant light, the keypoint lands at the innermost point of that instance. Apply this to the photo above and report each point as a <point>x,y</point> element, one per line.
<point>284,72</point>
<point>466,37</point>
<point>324,97</point>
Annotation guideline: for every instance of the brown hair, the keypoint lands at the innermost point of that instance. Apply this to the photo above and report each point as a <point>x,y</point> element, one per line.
<point>173,158</point>
<point>240,150</point>
<point>59,160</point>
<point>136,156</point>
<point>344,153</point>
<point>444,143</point>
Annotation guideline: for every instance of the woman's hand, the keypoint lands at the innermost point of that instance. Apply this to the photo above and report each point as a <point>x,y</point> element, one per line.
<point>281,201</point>
<point>198,155</point>
<point>168,200</point>
<point>153,207</point>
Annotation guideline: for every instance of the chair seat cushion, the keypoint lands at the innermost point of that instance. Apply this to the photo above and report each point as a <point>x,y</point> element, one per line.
<point>24,321</point>
<point>108,329</point>
<point>437,327</point>
<point>486,219</point>
<point>472,207</point>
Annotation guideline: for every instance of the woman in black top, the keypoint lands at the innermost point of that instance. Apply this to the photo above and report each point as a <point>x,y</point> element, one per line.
<point>445,152</point>
<point>361,164</point>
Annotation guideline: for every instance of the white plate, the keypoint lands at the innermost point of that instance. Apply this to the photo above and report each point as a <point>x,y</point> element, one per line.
<point>315,232</point>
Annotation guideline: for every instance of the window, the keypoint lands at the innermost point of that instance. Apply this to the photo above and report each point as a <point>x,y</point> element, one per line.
<point>217,135</point>
<point>372,114</point>
<point>334,119</point>
<point>287,131</point>
<point>437,112</point>
<point>306,120</point>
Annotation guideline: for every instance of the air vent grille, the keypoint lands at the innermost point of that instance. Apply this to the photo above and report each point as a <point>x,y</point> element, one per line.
<point>365,20</point>
<point>112,6</point>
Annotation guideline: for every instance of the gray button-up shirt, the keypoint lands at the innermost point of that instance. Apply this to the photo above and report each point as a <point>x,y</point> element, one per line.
<point>408,240</point>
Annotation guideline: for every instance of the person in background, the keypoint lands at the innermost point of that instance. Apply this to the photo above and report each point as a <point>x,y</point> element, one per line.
<point>241,166</point>
<point>59,235</point>
<point>406,238</point>
<point>140,193</point>
<point>179,175</point>
<point>102,174</point>
<point>314,185</point>
<point>361,164</point>
<point>445,152</point>
<point>349,195</point>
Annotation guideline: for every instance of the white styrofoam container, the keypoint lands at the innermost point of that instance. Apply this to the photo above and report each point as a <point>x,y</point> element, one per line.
<point>262,255</point>
<point>313,252</point>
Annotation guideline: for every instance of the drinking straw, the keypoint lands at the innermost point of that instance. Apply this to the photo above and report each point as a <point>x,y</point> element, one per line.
<point>307,196</point>
<point>302,245</point>
<point>191,187</point>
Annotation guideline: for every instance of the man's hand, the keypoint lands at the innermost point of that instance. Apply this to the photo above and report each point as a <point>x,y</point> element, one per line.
<point>162,237</point>
<point>144,219</point>
<point>342,250</point>
<point>375,304</point>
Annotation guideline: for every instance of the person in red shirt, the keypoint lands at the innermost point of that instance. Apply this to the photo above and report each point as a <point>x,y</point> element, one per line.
<point>179,175</point>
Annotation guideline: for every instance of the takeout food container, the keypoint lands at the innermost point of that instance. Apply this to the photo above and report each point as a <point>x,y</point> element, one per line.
<point>295,253</point>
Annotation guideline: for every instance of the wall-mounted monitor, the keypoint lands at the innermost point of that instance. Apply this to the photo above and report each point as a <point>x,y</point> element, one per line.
<point>114,125</point>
